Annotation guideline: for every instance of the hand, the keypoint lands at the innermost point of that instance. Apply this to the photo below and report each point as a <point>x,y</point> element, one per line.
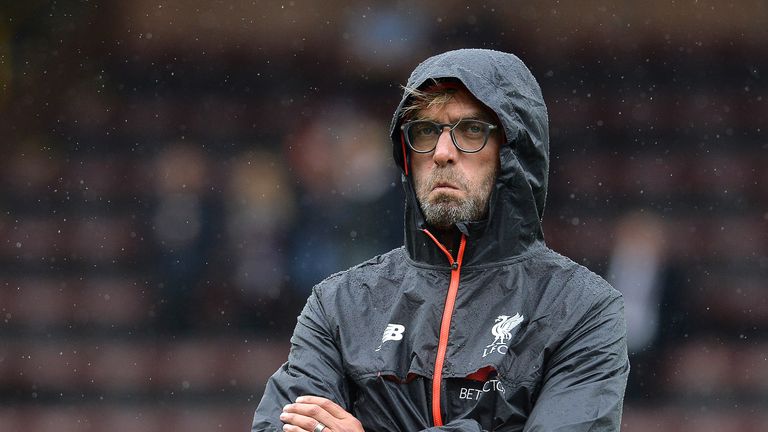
<point>308,411</point>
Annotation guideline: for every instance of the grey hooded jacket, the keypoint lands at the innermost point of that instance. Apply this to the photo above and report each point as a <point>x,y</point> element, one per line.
<point>506,335</point>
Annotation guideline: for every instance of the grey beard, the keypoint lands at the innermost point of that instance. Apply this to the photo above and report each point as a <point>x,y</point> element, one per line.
<point>446,211</point>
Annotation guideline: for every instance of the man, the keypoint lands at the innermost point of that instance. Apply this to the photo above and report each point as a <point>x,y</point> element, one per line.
<point>474,324</point>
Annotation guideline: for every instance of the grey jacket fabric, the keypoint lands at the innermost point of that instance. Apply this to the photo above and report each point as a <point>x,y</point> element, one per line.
<point>536,342</point>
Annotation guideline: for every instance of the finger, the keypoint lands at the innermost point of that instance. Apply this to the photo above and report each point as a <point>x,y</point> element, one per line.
<point>326,404</point>
<point>292,428</point>
<point>314,412</point>
<point>299,422</point>
<point>309,410</point>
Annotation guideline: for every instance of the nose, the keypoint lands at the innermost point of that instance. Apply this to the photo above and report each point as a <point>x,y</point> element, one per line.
<point>445,151</point>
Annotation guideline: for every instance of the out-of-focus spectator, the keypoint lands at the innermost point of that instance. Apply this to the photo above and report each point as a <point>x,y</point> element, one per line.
<point>183,225</point>
<point>260,209</point>
<point>341,161</point>
<point>260,204</point>
<point>652,288</point>
<point>385,38</point>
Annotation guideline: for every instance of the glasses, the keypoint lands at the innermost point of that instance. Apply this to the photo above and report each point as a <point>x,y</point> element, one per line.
<point>469,136</point>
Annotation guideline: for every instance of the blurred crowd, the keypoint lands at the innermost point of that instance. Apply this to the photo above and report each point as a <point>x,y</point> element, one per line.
<point>175,180</point>
<point>210,239</point>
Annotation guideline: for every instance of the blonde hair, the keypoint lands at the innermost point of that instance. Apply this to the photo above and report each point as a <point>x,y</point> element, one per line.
<point>435,95</point>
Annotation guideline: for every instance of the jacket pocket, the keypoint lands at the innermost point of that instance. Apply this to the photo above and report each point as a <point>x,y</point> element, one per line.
<point>385,402</point>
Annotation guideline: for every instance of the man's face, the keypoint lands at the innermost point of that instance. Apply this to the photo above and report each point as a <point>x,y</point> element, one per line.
<point>451,185</point>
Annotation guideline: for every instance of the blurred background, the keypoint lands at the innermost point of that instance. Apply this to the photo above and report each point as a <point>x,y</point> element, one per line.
<point>176,175</point>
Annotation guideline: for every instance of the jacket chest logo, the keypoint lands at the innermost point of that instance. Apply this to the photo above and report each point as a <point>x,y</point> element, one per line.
<point>502,332</point>
<point>393,332</point>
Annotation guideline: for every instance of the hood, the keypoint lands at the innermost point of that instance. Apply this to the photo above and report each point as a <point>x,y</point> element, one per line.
<point>505,85</point>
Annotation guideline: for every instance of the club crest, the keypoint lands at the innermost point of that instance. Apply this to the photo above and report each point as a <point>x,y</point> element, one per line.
<point>502,333</point>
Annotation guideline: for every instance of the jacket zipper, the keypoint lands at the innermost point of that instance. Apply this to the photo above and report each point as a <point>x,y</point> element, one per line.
<point>445,324</point>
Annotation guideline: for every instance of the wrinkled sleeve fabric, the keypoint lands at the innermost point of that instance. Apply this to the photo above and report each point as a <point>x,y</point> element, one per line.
<point>314,367</point>
<point>586,376</point>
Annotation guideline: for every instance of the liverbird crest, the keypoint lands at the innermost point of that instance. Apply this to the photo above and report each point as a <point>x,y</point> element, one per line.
<point>502,332</point>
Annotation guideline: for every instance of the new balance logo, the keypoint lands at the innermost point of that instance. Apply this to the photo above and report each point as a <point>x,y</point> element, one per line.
<point>393,332</point>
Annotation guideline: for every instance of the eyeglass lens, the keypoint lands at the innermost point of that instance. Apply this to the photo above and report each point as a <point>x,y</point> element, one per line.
<point>468,135</point>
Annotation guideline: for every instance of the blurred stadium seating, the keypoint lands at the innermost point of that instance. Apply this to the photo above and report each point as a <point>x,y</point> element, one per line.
<point>175,179</point>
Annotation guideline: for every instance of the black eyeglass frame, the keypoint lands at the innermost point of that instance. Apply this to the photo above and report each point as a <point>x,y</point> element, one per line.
<point>405,127</point>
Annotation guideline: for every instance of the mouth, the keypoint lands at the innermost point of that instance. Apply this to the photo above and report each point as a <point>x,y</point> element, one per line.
<point>444,185</point>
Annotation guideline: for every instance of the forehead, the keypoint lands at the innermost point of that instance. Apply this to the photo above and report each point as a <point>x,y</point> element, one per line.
<point>459,103</point>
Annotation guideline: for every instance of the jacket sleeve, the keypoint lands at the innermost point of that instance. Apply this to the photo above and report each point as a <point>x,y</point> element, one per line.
<point>586,376</point>
<point>314,367</point>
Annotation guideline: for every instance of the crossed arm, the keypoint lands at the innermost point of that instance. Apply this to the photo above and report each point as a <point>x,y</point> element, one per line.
<point>583,386</point>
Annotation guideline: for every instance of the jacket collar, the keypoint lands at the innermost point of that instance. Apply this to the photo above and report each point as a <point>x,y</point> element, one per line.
<point>509,231</point>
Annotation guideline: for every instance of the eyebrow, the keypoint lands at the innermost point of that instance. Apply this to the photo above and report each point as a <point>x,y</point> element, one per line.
<point>475,115</point>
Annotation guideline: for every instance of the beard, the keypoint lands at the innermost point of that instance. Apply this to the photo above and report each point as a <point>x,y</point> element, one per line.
<point>445,209</point>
